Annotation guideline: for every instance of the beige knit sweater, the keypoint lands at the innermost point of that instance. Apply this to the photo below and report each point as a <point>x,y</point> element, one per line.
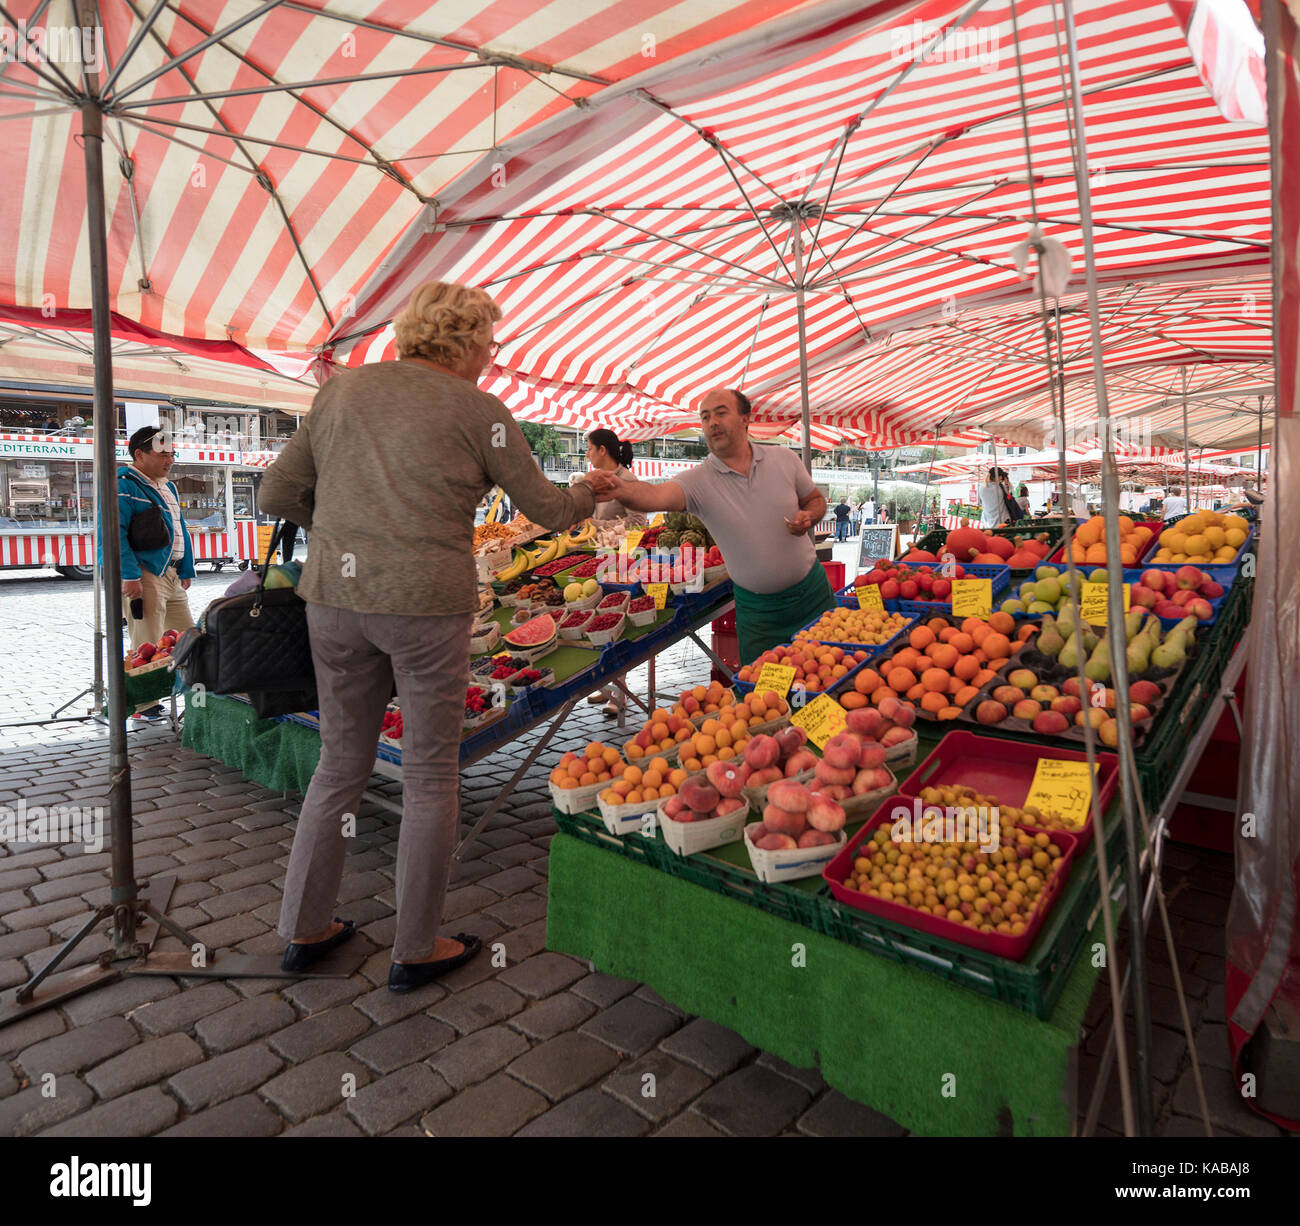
<point>387,470</point>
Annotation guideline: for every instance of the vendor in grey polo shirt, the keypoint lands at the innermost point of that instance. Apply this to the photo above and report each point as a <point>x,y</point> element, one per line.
<point>761,506</point>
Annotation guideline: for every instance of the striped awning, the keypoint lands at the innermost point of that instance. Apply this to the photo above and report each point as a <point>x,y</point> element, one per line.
<point>648,249</point>
<point>261,159</point>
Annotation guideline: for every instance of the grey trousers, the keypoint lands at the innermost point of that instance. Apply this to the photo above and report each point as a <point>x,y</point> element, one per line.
<point>358,656</point>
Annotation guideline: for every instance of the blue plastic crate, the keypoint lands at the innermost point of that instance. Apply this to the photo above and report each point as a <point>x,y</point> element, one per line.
<point>744,687</point>
<point>847,598</point>
<point>872,650</point>
<point>1210,569</point>
<point>1133,574</point>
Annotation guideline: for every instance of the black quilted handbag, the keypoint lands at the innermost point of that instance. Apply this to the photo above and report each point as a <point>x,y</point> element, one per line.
<point>255,643</point>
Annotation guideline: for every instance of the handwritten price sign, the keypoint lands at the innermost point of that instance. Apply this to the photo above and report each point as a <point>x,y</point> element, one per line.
<point>632,540</point>
<point>972,597</point>
<point>659,591</point>
<point>1093,603</point>
<point>821,719</point>
<point>869,597</point>
<point>1063,787</point>
<point>778,677</point>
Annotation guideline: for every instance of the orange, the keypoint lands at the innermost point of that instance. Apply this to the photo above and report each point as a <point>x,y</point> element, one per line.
<point>906,658</point>
<point>852,699</point>
<point>934,679</point>
<point>879,695</point>
<point>997,645</point>
<point>921,637</point>
<point>963,642</point>
<point>915,692</point>
<point>900,679</point>
<point>954,685</point>
<point>867,680</point>
<point>947,634</point>
<point>1004,623</point>
<point>933,702</point>
<point>966,667</point>
<point>1096,555</point>
<point>944,655</point>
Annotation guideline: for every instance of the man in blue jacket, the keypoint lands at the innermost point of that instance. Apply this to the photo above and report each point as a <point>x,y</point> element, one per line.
<point>158,575</point>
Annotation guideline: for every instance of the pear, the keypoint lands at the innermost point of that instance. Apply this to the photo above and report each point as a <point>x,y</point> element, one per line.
<point>1138,655</point>
<point>1050,642</point>
<point>1069,657</point>
<point>1133,623</point>
<point>1098,666</point>
<point>1090,640</point>
<point>1100,575</point>
<point>1170,653</point>
<point>1188,625</point>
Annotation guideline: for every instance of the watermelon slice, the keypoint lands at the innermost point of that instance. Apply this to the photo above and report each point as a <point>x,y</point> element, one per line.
<point>533,635</point>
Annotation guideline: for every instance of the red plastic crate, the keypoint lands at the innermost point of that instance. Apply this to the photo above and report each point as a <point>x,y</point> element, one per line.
<point>999,944</point>
<point>836,574</point>
<point>1004,769</point>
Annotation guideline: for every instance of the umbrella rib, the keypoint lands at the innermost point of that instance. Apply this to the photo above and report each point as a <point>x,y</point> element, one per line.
<point>68,88</point>
<point>263,179</point>
<point>177,60</point>
<point>133,46</point>
<point>380,163</point>
<point>506,59</point>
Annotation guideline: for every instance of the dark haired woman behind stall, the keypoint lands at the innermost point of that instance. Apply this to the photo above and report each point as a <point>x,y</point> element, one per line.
<point>606,454</point>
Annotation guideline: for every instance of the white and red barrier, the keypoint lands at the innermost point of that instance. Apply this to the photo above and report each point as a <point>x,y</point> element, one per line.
<point>36,549</point>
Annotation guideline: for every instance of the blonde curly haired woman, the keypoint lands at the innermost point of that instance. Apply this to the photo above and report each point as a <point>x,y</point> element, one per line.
<point>386,470</point>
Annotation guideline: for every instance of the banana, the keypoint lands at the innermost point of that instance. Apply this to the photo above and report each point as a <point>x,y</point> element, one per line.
<point>583,537</point>
<point>515,569</point>
<point>563,545</point>
<point>548,553</point>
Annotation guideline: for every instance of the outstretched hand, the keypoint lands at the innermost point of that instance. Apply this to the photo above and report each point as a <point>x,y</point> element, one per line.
<point>801,524</point>
<point>603,485</point>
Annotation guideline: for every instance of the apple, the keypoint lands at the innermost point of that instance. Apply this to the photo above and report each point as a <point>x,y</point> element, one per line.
<point>1026,708</point>
<point>1156,580</point>
<point>1200,609</point>
<point>1096,716</point>
<point>1071,687</point>
<point>1184,596</point>
<point>1044,693</point>
<point>1145,692</point>
<point>1023,679</point>
<point>1108,733</point>
<point>1211,590</point>
<point>1188,578</point>
<point>990,712</point>
<point>1052,722</point>
<point>146,651</point>
<point>1008,695</point>
<point>1142,595</point>
<point>1067,704</point>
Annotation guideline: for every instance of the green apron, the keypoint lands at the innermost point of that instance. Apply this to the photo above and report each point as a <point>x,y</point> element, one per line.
<point>764,620</point>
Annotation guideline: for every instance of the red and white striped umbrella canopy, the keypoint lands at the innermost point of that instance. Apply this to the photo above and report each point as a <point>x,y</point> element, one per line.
<point>263,156</point>
<point>645,250</point>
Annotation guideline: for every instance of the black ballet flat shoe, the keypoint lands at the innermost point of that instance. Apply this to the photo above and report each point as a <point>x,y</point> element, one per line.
<point>405,976</point>
<point>300,957</point>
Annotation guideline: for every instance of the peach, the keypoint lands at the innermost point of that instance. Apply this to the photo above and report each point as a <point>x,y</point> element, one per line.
<point>790,739</point>
<point>866,721</point>
<point>755,831</point>
<point>725,778</point>
<point>872,755</point>
<point>762,751</point>
<point>833,791</point>
<point>800,761</point>
<point>673,806</point>
<point>783,821</point>
<point>789,795</point>
<point>869,779</point>
<point>776,842</point>
<point>905,716</point>
<point>699,796</point>
<point>841,752</point>
<point>816,838</point>
<point>826,773</point>
<point>896,736</point>
<point>729,804</point>
<point>825,814</point>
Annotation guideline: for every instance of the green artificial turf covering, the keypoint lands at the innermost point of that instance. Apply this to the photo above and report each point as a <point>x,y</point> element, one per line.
<point>280,756</point>
<point>881,1033</point>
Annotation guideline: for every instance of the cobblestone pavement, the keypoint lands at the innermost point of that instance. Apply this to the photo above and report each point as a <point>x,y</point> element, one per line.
<point>541,1047</point>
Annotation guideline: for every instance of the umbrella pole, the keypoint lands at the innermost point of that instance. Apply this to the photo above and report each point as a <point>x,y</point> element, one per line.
<point>805,412</point>
<point>1187,443</point>
<point>1115,624</point>
<point>1259,450</point>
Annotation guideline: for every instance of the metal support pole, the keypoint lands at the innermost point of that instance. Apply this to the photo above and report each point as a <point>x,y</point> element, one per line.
<point>804,410</point>
<point>1187,444</point>
<point>123,889</point>
<point>1259,450</point>
<point>1115,613</point>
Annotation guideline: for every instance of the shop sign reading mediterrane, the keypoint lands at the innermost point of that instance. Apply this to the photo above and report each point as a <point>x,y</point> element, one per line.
<point>29,449</point>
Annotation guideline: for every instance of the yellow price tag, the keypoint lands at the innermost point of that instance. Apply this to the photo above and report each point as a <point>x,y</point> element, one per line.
<point>972,597</point>
<point>778,677</point>
<point>658,521</point>
<point>632,540</point>
<point>822,719</point>
<point>264,534</point>
<point>1093,605</point>
<point>1063,787</point>
<point>869,597</point>
<point>659,591</point>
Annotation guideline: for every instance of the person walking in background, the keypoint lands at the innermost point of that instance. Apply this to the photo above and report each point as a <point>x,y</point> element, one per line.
<point>868,512</point>
<point>842,512</point>
<point>387,470</point>
<point>1022,497</point>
